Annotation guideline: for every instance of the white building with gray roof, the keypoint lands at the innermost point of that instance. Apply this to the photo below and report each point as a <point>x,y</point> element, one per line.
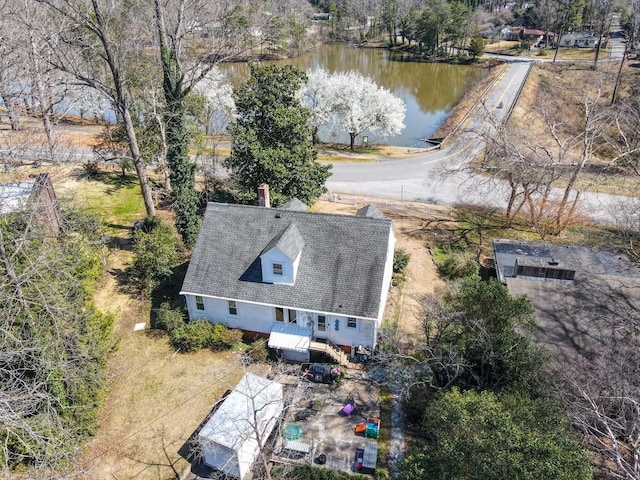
<point>296,277</point>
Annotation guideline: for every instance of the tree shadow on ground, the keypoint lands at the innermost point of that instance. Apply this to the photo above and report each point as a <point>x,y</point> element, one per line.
<point>168,291</point>
<point>114,180</point>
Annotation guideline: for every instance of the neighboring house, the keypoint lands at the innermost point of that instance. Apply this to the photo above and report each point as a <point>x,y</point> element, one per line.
<point>231,440</point>
<point>587,41</point>
<point>532,35</point>
<point>578,40</point>
<point>37,194</point>
<point>529,261</point>
<point>583,297</point>
<point>304,280</point>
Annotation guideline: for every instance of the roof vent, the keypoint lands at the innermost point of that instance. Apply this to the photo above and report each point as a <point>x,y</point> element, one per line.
<point>278,215</point>
<point>553,262</point>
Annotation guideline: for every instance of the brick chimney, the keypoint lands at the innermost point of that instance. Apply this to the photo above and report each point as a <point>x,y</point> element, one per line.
<point>263,196</point>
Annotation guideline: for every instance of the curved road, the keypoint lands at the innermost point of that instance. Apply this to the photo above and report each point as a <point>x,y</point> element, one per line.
<point>437,177</point>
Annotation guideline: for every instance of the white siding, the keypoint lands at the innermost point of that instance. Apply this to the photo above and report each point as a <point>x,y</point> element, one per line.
<point>289,268</point>
<point>261,318</point>
<point>386,284</point>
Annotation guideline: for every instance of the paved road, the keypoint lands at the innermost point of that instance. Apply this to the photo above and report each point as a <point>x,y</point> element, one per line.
<point>437,177</point>
<point>617,40</point>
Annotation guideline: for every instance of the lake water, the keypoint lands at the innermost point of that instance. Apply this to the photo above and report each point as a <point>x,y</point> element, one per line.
<point>430,90</point>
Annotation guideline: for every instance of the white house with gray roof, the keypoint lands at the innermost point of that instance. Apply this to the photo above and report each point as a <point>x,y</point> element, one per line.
<point>300,279</point>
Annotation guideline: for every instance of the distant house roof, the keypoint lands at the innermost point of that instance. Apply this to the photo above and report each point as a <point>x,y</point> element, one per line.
<point>295,205</point>
<point>341,268</point>
<point>369,211</point>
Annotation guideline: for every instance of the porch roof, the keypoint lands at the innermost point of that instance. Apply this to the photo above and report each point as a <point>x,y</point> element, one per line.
<point>290,337</point>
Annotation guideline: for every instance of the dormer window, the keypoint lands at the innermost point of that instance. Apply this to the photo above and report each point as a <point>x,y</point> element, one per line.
<point>280,258</point>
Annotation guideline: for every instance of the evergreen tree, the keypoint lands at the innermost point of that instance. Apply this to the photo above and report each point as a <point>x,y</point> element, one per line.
<point>271,139</point>
<point>472,435</point>
<point>182,169</point>
<point>476,46</point>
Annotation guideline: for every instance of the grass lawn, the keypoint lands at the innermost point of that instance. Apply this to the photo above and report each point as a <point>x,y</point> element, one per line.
<point>504,47</point>
<point>116,200</point>
<point>156,397</point>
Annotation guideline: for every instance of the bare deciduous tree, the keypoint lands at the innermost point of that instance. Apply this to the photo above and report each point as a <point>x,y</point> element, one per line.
<point>94,45</point>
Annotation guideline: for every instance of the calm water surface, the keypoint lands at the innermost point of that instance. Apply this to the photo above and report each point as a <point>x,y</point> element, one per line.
<point>430,90</point>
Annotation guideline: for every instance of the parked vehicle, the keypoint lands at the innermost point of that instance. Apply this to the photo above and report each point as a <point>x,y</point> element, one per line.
<point>317,373</point>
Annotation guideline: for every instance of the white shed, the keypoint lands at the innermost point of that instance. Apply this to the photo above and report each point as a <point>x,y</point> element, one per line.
<point>232,438</point>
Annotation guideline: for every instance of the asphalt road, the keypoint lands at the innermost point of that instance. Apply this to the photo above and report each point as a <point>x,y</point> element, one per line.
<point>439,177</point>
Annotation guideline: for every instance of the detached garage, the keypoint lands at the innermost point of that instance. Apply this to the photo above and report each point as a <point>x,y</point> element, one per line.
<point>232,438</point>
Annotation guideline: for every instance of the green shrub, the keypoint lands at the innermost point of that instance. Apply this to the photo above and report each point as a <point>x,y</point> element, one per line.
<point>193,336</point>
<point>400,260</point>
<point>155,247</point>
<point>224,337</point>
<point>258,351</point>
<point>381,474</point>
<point>168,318</point>
<point>454,264</point>
<point>199,334</point>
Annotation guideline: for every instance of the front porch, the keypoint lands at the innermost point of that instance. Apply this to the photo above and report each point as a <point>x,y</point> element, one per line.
<point>331,350</point>
<point>296,342</point>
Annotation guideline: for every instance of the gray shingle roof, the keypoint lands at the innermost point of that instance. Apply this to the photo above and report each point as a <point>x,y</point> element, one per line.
<point>289,242</point>
<point>341,267</point>
<point>296,205</point>
<point>369,211</point>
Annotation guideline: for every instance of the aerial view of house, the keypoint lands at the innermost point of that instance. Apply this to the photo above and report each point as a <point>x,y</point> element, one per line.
<point>293,276</point>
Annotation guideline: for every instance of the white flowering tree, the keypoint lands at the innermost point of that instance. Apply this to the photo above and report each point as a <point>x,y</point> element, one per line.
<point>363,105</point>
<point>218,95</point>
<point>317,95</point>
<point>353,102</point>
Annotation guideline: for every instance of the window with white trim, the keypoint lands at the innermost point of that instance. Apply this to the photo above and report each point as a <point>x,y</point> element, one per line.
<point>322,323</point>
<point>233,308</point>
<point>278,269</point>
<point>279,314</point>
<point>293,317</point>
<point>199,302</point>
<point>352,322</point>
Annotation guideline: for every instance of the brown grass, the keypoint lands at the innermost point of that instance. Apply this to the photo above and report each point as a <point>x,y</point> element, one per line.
<point>561,88</point>
<point>156,400</point>
<point>492,71</point>
<point>70,132</point>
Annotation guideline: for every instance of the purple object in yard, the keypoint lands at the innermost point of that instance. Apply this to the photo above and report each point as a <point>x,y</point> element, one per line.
<point>348,409</point>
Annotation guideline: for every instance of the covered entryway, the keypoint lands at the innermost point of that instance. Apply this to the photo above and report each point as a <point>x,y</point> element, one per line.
<point>292,340</point>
